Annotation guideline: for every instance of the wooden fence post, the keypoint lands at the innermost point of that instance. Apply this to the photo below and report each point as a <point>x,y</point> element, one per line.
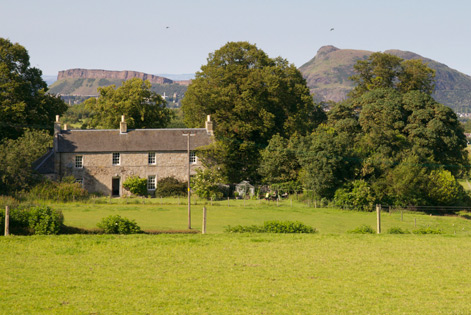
<point>378,219</point>
<point>204,221</point>
<point>7,220</point>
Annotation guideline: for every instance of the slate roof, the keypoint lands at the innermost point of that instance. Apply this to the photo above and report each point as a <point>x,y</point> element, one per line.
<point>45,164</point>
<point>135,140</point>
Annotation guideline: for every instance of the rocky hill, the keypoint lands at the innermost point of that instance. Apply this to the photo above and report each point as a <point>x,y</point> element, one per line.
<point>327,76</point>
<point>75,85</point>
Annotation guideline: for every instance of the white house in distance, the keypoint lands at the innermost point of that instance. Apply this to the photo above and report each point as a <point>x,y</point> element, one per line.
<point>102,159</point>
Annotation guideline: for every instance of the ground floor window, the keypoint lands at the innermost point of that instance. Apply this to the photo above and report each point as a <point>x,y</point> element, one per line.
<point>79,181</point>
<point>151,183</point>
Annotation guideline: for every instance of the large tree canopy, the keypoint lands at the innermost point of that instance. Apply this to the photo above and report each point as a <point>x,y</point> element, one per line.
<point>250,97</point>
<point>401,142</point>
<point>382,70</point>
<point>23,99</point>
<point>134,99</point>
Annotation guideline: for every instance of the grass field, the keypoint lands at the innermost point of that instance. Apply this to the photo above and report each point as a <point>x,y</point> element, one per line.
<point>166,214</point>
<point>330,272</point>
<point>236,274</point>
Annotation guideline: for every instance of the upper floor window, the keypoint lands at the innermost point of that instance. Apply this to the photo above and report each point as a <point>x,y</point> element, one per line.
<point>116,159</point>
<point>151,182</point>
<point>151,159</point>
<point>192,157</point>
<point>78,161</point>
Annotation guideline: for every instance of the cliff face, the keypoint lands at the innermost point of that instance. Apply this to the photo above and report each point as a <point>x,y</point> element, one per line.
<point>111,75</point>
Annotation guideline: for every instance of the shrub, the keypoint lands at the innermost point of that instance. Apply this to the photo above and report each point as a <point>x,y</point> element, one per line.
<point>206,184</point>
<point>115,224</point>
<point>272,227</point>
<point>171,187</point>
<point>136,185</point>
<point>427,230</point>
<point>287,227</point>
<point>67,190</point>
<point>34,220</point>
<point>397,230</point>
<point>357,195</point>
<point>363,229</point>
<point>44,220</point>
<point>244,229</point>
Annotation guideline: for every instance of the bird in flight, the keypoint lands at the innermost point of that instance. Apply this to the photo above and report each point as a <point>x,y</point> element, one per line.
<point>331,29</point>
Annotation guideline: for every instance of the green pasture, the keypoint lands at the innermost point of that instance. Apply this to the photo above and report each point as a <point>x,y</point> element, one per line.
<point>172,214</point>
<point>235,274</point>
<point>331,272</point>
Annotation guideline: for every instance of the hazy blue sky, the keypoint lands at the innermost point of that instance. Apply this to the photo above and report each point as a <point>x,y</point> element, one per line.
<point>133,35</point>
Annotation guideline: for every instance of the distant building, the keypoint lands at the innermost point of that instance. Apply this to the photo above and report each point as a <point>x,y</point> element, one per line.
<point>101,160</point>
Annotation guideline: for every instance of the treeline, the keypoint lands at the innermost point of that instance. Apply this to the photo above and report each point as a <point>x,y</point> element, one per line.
<point>389,142</point>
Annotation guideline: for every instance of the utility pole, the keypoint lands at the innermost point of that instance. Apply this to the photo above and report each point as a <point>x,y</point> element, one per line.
<point>189,169</point>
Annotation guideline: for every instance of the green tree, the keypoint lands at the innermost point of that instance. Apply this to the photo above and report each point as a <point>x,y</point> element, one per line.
<point>278,163</point>
<point>382,70</point>
<point>206,184</point>
<point>327,160</point>
<point>250,97</point>
<point>16,157</point>
<point>134,99</point>
<point>23,98</point>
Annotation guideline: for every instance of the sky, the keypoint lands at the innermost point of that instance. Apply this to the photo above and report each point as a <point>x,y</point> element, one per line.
<point>176,36</point>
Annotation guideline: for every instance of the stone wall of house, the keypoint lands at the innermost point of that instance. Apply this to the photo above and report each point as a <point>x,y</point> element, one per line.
<point>98,170</point>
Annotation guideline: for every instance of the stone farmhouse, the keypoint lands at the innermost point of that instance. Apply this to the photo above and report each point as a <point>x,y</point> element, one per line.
<point>101,160</point>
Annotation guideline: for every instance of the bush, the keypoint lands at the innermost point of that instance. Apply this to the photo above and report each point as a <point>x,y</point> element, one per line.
<point>171,187</point>
<point>45,221</point>
<point>206,184</point>
<point>427,230</point>
<point>244,229</point>
<point>115,224</point>
<point>67,190</point>
<point>357,195</point>
<point>34,220</point>
<point>287,227</point>
<point>272,227</point>
<point>397,230</point>
<point>363,229</point>
<point>136,185</point>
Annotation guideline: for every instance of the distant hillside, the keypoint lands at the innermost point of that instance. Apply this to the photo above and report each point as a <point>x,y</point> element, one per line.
<point>328,72</point>
<point>75,85</point>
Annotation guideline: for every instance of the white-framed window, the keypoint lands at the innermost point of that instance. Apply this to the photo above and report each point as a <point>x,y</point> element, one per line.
<point>151,158</point>
<point>116,159</point>
<point>192,157</point>
<point>78,161</point>
<point>79,181</point>
<point>151,182</point>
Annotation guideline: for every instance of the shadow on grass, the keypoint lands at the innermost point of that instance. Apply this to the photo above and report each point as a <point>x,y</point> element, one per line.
<point>75,230</point>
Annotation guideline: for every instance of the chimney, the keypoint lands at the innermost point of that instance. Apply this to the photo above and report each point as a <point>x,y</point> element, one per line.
<point>209,126</point>
<point>66,127</point>
<point>57,125</point>
<point>123,127</point>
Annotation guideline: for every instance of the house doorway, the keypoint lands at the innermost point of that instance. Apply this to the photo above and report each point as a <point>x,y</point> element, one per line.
<point>115,184</point>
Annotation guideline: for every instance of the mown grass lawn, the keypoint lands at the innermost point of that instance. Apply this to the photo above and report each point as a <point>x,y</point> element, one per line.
<point>235,274</point>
